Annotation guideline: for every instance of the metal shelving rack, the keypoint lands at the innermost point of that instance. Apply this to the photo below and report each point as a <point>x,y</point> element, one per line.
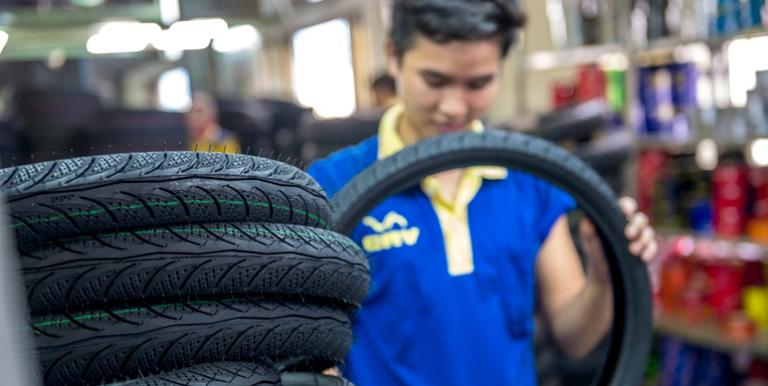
<point>706,334</point>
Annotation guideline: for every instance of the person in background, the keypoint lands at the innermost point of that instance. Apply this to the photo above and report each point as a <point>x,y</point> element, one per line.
<point>203,130</point>
<point>453,303</point>
<point>384,91</point>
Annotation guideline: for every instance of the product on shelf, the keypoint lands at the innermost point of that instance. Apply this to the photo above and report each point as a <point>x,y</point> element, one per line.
<point>730,189</point>
<point>668,97</point>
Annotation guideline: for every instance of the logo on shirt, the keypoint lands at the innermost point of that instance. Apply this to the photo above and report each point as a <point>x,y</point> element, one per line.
<point>391,232</point>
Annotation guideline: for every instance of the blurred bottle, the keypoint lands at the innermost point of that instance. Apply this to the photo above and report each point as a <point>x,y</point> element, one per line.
<point>657,26</point>
<point>639,23</point>
<point>573,23</point>
<point>757,227</point>
<point>694,20</point>
<point>727,18</point>
<point>730,194</point>
<point>758,374</point>
<point>750,13</point>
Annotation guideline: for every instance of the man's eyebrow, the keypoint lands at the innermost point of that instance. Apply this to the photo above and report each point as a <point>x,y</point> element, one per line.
<point>434,74</point>
<point>482,78</point>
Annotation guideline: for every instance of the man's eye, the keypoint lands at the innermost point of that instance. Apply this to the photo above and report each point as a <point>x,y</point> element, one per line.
<point>477,85</point>
<point>435,83</point>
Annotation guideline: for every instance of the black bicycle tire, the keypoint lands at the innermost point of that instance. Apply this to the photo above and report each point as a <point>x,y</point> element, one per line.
<point>108,345</point>
<point>633,326</point>
<point>212,374</point>
<point>77,196</point>
<point>312,379</point>
<point>192,261</point>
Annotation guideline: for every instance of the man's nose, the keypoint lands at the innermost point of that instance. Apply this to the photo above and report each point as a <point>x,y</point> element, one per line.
<point>454,102</point>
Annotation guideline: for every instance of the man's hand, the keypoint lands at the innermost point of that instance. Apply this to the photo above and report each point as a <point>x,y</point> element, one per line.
<point>642,238</point>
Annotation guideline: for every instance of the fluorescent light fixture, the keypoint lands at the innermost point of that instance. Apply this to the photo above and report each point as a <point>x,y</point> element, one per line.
<point>193,34</point>
<point>122,37</point>
<point>238,38</point>
<point>3,40</point>
<point>87,3</point>
<point>169,11</point>
<point>758,152</point>
<point>707,154</point>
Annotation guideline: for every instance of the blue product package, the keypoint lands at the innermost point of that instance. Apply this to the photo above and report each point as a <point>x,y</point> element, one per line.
<point>655,89</point>
<point>686,365</point>
<point>700,216</point>
<point>727,17</point>
<point>678,362</point>
<point>684,81</point>
<point>750,14</point>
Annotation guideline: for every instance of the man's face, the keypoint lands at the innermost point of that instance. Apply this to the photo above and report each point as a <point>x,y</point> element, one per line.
<point>446,86</point>
<point>197,118</point>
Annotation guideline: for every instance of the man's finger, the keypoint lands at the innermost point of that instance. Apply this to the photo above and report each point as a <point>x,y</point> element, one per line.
<point>650,252</point>
<point>638,222</point>
<point>646,239</point>
<point>332,372</point>
<point>628,205</point>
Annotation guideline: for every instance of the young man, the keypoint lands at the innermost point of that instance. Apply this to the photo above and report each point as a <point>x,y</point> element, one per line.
<point>452,303</point>
<point>384,91</point>
<point>203,130</point>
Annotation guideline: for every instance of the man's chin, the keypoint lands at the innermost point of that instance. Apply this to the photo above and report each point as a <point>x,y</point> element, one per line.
<point>449,129</point>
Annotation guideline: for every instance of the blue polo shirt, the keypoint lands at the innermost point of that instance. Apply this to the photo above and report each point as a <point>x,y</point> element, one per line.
<point>442,310</point>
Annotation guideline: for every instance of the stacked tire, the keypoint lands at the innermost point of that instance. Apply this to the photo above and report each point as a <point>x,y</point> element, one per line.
<point>181,268</point>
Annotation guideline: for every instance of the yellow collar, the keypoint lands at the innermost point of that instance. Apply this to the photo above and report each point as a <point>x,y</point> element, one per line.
<point>390,142</point>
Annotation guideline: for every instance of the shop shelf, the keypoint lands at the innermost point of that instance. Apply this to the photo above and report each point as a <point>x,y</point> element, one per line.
<point>708,334</point>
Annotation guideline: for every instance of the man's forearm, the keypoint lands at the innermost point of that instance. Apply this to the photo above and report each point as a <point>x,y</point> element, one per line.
<point>583,322</point>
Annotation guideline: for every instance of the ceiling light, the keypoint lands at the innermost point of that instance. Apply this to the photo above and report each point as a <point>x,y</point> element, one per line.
<point>193,34</point>
<point>3,40</point>
<point>87,3</point>
<point>169,11</point>
<point>122,37</point>
<point>238,38</point>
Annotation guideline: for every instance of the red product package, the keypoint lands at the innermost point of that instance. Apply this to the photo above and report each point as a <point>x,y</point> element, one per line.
<point>730,188</point>
<point>759,181</point>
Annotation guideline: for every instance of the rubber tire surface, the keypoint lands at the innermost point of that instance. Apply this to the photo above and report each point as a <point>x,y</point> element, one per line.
<point>632,327</point>
<point>196,260</point>
<point>86,195</point>
<point>312,379</point>
<point>106,346</point>
<point>212,374</point>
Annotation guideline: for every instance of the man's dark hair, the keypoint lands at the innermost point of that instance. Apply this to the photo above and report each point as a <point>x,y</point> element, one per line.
<point>384,81</point>
<point>446,20</point>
